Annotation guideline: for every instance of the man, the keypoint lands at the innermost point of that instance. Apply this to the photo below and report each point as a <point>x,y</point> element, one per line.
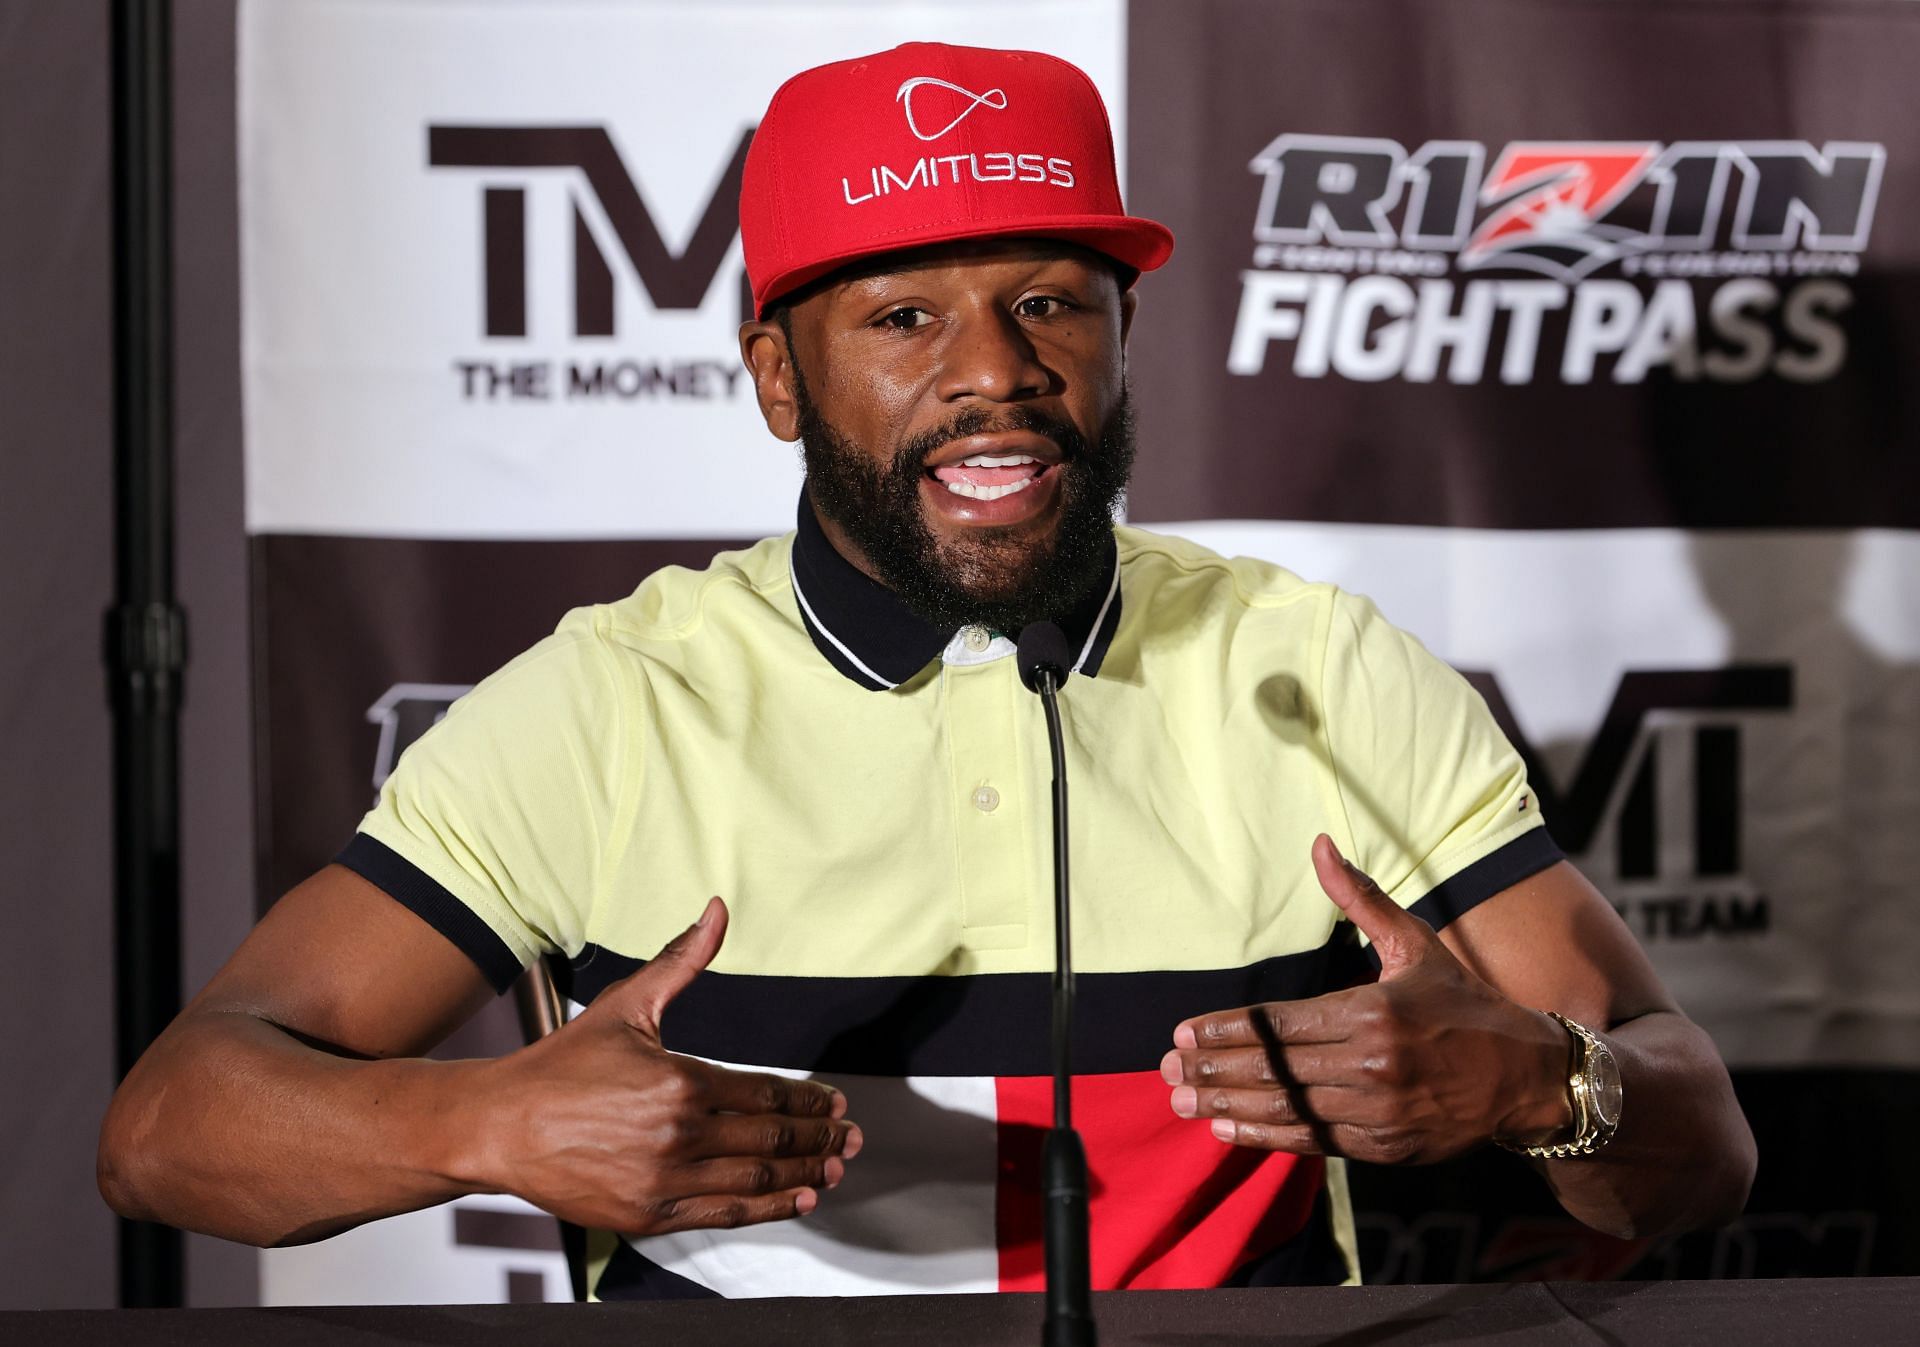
<point>826,729</point>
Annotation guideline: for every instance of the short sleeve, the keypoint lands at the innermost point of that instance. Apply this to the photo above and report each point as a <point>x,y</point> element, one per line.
<point>1435,797</point>
<point>495,824</point>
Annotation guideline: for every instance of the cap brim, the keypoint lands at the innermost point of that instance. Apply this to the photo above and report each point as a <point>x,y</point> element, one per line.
<point>1144,245</point>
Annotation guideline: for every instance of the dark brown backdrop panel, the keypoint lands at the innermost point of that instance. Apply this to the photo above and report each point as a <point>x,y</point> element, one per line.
<point>341,621</point>
<point>1212,83</point>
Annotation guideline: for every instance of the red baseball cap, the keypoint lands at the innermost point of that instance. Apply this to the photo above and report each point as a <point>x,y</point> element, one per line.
<point>925,144</point>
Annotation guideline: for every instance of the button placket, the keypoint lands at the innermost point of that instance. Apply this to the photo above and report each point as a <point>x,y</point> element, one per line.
<point>989,832</point>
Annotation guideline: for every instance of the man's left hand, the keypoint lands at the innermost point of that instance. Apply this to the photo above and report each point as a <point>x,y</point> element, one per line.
<point>1425,1063</point>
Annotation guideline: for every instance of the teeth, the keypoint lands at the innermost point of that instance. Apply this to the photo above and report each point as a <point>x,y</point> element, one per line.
<point>988,492</point>
<point>989,461</point>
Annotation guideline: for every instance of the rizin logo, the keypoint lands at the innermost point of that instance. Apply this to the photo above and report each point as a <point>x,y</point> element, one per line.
<point>1730,259</point>
<point>1556,197</point>
<point>956,103</point>
<point>904,97</point>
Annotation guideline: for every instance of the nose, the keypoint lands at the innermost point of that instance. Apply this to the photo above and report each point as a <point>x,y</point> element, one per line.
<point>988,356</point>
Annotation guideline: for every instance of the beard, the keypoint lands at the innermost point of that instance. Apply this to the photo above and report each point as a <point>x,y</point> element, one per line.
<point>1001,578</point>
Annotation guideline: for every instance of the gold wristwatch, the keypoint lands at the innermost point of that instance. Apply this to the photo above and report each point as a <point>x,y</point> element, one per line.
<point>1593,1087</point>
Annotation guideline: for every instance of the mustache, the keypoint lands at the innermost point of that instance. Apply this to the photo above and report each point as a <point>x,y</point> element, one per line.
<point>910,458</point>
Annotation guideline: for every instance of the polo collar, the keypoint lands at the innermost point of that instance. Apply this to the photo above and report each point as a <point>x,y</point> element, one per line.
<point>868,634</point>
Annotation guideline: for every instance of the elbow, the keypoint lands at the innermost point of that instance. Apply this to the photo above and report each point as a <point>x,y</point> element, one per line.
<point>117,1187</point>
<point>1742,1164</point>
<point>1710,1193</point>
<point>133,1160</point>
<point>1698,1190</point>
<point>1725,1179</point>
<point>139,1178</point>
<point>120,1161</point>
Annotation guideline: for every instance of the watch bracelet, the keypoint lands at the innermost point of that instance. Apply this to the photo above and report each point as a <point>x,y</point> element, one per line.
<point>1576,1148</point>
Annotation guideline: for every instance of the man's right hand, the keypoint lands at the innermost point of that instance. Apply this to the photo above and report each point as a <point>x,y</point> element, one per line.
<point>606,1128</point>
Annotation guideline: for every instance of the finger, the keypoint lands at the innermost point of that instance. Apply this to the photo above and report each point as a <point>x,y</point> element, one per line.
<point>758,1136</point>
<point>1321,1105</point>
<point>725,1211</point>
<point>1257,1068</point>
<point>725,1090</point>
<point>1318,1019</point>
<point>1377,1145</point>
<point>745,1176</point>
<point>1298,1138</point>
<point>641,999</point>
<point>1398,937</point>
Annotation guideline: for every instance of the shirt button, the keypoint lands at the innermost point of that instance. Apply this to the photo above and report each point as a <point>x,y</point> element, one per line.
<point>977,639</point>
<point>986,799</point>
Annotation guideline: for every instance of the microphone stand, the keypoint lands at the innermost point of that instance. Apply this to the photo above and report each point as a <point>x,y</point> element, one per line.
<point>1069,1321</point>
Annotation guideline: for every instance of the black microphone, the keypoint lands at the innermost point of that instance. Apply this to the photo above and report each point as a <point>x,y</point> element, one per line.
<point>1045,657</point>
<point>1043,648</point>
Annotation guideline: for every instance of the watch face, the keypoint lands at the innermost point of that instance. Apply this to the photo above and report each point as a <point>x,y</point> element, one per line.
<point>1603,1077</point>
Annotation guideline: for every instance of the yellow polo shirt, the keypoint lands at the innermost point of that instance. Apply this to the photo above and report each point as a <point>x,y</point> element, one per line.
<point>870,796</point>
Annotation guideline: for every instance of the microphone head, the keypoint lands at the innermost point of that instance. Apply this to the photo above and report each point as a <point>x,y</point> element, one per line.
<point>1042,645</point>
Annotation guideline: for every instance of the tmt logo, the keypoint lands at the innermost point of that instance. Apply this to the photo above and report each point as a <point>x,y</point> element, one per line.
<point>1663,776</point>
<point>671,281</point>
<point>605,213</point>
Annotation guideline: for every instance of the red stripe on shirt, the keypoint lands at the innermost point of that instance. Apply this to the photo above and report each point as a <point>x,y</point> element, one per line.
<point>1170,1208</point>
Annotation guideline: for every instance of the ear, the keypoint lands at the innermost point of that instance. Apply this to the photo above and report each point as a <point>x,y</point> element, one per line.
<point>763,349</point>
<point>1129,301</point>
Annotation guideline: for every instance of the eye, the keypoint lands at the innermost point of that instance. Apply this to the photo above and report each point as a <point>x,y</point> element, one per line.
<point>905,318</point>
<point>1043,306</point>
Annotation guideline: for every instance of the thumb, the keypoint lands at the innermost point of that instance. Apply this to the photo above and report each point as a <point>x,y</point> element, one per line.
<point>1399,938</point>
<point>642,998</point>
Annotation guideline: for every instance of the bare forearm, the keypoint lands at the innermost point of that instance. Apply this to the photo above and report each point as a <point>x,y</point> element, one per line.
<point>1683,1157</point>
<point>231,1126</point>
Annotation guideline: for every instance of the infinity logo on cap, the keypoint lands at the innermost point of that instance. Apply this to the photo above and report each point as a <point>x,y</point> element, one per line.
<point>904,96</point>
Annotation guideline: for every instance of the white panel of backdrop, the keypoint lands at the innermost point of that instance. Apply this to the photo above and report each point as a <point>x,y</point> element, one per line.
<point>427,189</point>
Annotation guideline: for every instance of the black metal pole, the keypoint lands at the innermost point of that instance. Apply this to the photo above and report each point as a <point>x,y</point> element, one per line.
<point>145,629</point>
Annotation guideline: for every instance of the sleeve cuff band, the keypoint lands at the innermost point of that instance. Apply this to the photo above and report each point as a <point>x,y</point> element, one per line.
<point>1500,869</point>
<point>424,896</point>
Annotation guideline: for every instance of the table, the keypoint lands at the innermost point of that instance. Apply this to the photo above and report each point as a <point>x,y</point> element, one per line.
<point>1862,1312</point>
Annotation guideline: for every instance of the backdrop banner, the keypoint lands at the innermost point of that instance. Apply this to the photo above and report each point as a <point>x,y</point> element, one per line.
<point>1572,335</point>
<point>1575,336</point>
